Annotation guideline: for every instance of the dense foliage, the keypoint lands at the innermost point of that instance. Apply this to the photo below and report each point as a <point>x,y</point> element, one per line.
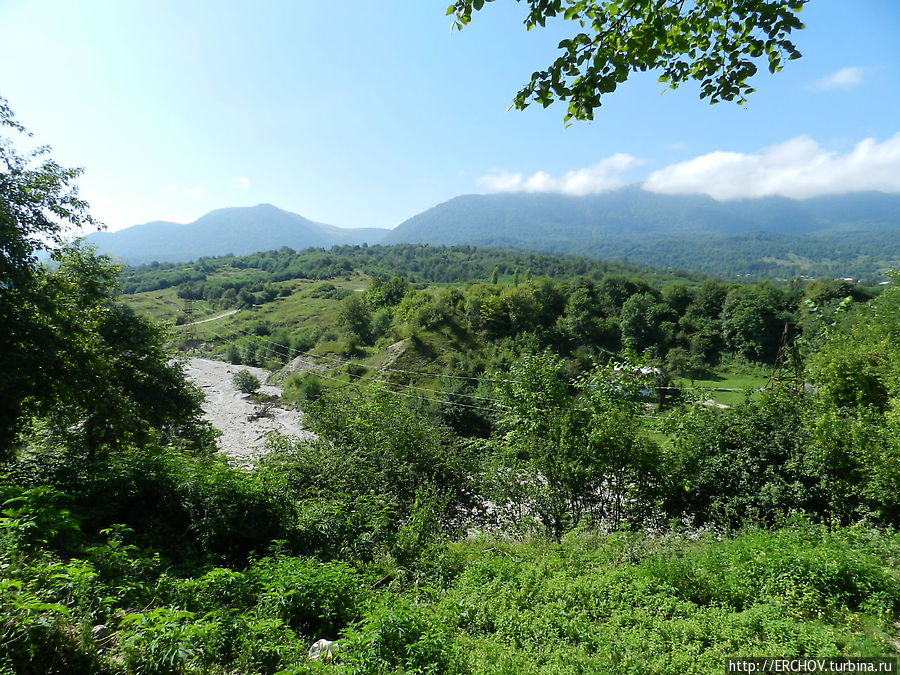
<point>416,262</point>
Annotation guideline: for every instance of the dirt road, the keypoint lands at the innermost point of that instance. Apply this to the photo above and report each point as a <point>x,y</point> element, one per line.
<point>212,318</point>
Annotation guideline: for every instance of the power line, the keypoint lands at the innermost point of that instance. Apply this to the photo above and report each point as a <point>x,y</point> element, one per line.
<point>386,388</point>
<point>379,368</point>
<point>341,361</point>
<point>398,393</point>
<point>386,369</point>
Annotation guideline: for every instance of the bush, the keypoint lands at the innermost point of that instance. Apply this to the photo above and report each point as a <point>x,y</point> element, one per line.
<point>246,382</point>
<point>303,388</point>
<point>201,506</point>
<point>232,354</point>
<point>398,637</point>
<point>355,370</point>
<point>315,598</point>
<point>748,464</point>
<point>373,444</point>
<point>302,343</point>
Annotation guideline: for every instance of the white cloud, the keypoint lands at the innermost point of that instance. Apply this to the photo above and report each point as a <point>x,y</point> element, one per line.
<point>603,176</point>
<point>244,182</point>
<point>798,168</point>
<point>845,78</point>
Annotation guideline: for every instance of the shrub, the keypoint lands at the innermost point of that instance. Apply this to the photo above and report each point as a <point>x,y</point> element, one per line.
<point>374,444</point>
<point>302,342</point>
<point>246,382</point>
<point>318,599</point>
<point>745,465</point>
<point>303,388</point>
<point>35,637</point>
<point>34,519</point>
<point>232,354</point>
<point>399,637</point>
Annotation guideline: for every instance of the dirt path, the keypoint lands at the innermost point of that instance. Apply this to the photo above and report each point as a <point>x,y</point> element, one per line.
<point>212,318</point>
<point>230,411</point>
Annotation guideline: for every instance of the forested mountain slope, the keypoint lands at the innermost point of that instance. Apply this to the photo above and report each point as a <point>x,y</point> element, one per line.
<point>841,235</point>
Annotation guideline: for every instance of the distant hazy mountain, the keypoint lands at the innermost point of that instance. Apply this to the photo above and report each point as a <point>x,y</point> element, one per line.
<point>235,230</point>
<point>855,234</point>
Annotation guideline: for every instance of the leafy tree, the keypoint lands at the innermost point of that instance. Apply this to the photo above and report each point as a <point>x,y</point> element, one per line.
<point>642,319</point>
<point>580,318</point>
<point>614,290</point>
<point>583,322</point>
<point>752,320</point>
<point>373,444</point>
<point>356,317</point>
<point>716,42</point>
<point>855,416</point>
<point>566,459</point>
<point>76,363</point>
<point>614,395</point>
<point>381,293</point>
<point>38,203</point>
<point>707,300</point>
<point>743,465</point>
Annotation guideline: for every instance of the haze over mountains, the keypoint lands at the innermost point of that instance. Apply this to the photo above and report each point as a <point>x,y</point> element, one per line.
<point>854,234</point>
<point>239,230</point>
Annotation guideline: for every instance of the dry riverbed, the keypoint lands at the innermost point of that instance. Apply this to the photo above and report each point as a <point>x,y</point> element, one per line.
<point>234,414</point>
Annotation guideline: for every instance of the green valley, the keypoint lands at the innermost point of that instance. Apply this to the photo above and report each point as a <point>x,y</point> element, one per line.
<point>517,463</point>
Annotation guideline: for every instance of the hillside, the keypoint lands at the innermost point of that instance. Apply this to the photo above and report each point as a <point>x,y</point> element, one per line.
<point>842,235</point>
<point>239,231</point>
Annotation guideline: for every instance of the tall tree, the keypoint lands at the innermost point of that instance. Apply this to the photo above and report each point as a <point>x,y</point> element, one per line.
<point>38,203</point>
<point>83,364</point>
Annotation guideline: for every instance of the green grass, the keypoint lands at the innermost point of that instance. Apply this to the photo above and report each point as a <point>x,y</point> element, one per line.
<point>301,312</point>
<point>622,603</point>
<point>296,310</point>
<point>165,306</point>
<point>730,375</point>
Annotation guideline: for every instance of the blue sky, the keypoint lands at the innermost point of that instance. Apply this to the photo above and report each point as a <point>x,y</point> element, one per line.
<point>364,114</point>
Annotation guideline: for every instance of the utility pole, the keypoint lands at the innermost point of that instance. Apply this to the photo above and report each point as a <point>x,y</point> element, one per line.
<point>788,372</point>
<point>188,311</point>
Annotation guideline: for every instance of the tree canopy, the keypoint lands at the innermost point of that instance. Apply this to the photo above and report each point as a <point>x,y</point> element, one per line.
<point>716,42</point>
<point>76,362</point>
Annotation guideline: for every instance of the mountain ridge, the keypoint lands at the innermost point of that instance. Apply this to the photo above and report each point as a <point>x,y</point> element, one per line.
<point>239,230</point>
<point>845,235</point>
<point>854,234</point>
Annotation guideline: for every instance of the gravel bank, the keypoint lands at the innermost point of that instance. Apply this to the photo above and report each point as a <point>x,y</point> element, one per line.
<point>243,438</point>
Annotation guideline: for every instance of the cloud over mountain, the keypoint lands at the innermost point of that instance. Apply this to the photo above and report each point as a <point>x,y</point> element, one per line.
<point>601,177</point>
<point>798,168</point>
